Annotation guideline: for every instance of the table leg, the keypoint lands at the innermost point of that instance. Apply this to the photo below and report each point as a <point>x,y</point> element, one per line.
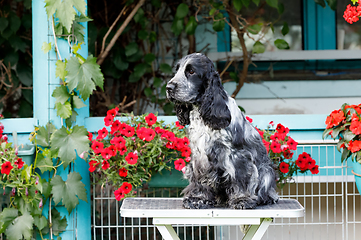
<point>167,232</point>
<point>255,232</point>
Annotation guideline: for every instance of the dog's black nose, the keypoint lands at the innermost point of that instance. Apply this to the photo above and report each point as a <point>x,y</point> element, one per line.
<point>170,87</point>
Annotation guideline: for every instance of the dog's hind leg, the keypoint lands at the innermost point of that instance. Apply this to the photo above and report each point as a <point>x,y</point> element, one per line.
<point>266,188</point>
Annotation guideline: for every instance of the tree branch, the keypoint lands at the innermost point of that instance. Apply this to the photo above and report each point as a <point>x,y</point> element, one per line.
<point>104,54</point>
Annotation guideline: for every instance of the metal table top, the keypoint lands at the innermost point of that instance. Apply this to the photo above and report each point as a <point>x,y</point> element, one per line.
<point>172,207</point>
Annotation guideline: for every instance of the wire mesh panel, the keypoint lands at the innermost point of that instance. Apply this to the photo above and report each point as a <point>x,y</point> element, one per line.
<point>331,201</point>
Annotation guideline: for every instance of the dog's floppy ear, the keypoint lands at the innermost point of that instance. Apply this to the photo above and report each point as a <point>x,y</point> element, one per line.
<point>213,108</point>
<point>182,111</point>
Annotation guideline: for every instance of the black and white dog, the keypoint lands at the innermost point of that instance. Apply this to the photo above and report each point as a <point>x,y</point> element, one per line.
<point>230,166</point>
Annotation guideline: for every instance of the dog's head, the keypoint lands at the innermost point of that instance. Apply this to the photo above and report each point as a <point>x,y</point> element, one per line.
<point>196,82</point>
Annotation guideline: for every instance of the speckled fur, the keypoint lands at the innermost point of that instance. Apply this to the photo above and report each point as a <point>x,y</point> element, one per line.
<point>229,165</point>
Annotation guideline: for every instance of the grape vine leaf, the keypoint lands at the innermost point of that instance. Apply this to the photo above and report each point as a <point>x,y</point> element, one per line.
<point>6,217</point>
<point>70,191</point>
<point>77,102</point>
<point>67,142</point>
<point>43,135</point>
<point>60,70</point>
<point>46,47</point>
<point>61,94</point>
<point>63,110</point>
<point>21,226</point>
<point>84,76</point>
<point>59,223</point>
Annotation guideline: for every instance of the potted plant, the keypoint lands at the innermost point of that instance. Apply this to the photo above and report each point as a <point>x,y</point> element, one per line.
<point>128,151</point>
<point>280,147</point>
<point>344,124</point>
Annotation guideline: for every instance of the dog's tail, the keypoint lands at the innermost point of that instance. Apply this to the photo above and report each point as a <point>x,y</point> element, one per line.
<point>267,185</point>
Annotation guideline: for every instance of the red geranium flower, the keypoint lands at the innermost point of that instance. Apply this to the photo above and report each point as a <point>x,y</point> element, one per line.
<point>19,162</point>
<point>249,119</point>
<point>6,168</point>
<point>266,144</point>
<point>310,163</point>
<point>115,127</point>
<point>119,195</point>
<point>90,136</point>
<point>179,164</point>
<point>151,119</point>
<point>129,131</point>
<point>107,153</point>
<point>179,125</point>
<point>93,165</point>
<point>159,130</point>
<point>113,149</point>
<point>302,160</point>
<point>169,145</point>
<point>105,165</point>
<point>335,118</point>
<point>275,147</point>
<point>122,150</point>
<point>287,154</point>
<point>168,135</point>
<point>355,126</point>
<point>146,134</point>
<point>119,142</point>
<point>131,158</point>
<point>292,144</point>
<point>354,146</point>
<point>314,169</point>
<point>123,172</point>
<point>126,187</point>
<point>97,147</point>
<point>186,152</point>
<point>108,120</point>
<point>284,167</point>
<point>102,133</point>
<point>112,112</point>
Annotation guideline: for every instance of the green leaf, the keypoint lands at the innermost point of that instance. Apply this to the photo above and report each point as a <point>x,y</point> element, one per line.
<point>149,58</point>
<point>345,154</point>
<point>258,47</point>
<point>152,37</point>
<point>44,162</point>
<point>69,191</point>
<point>212,11</point>
<point>77,102</point>
<point>60,70</point>
<point>140,69</point>
<point>26,173</point>
<point>80,5</point>
<point>142,34</point>
<point>285,29</point>
<point>321,2</point>
<point>326,133</point>
<point>25,74</point>
<point>63,110</point>
<point>177,26</point>
<point>156,3</point>
<point>348,135</point>
<point>67,143</point>
<point>133,77</point>
<point>246,3</point>
<point>3,24</point>
<point>219,23</point>
<point>46,47</point>
<point>15,23</point>
<point>255,28</point>
<point>6,217</point>
<point>66,14</point>
<point>272,3</point>
<point>84,76</point>
<point>120,63</point>
<point>332,4</point>
<point>43,135</point>
<point>22,227</point>
<point>182,10</point>
<point>148,92</point>
<point>40,222</point>
<point>51,6</point>
<point>191,25</point>
<point>237,4</point>
<point>61,94</point>
<point>281,44</point>
<point>281,8</point>
<point>256,2</point>
<point>59,223</point>
<point>234,76</point>
<point>164,67</point>
<point>157,82</point>
<point>131,49</point>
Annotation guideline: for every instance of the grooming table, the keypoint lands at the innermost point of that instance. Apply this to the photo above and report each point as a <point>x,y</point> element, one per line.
<point>169,211</point>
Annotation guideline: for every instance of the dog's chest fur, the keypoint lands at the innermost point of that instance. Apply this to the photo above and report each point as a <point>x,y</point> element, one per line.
<point>201,142</point>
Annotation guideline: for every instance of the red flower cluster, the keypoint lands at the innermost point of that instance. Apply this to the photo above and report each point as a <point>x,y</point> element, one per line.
<point>280,148</point>
<point>352,13</point>
<point>344,124</point>
<point>126,153</point>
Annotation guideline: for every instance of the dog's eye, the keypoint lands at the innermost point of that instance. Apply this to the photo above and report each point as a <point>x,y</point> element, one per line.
<point>191,71</point>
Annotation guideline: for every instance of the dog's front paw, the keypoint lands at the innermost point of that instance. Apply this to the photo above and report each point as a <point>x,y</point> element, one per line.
<point>242,203</point>
<point>197,203</point>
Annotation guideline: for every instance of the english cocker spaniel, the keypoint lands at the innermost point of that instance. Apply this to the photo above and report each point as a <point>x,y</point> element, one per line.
<point>229,163</point>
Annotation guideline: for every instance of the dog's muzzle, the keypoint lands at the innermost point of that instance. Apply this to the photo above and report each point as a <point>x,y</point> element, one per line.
<point>170,90</point>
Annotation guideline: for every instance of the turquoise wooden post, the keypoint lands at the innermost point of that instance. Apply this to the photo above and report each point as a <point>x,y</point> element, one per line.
<point>44,82</point>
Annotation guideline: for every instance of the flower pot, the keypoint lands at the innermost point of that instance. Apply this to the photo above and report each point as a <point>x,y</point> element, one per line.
<point>26,152</point>
<point>172,178</point>
<point>356,170</point>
